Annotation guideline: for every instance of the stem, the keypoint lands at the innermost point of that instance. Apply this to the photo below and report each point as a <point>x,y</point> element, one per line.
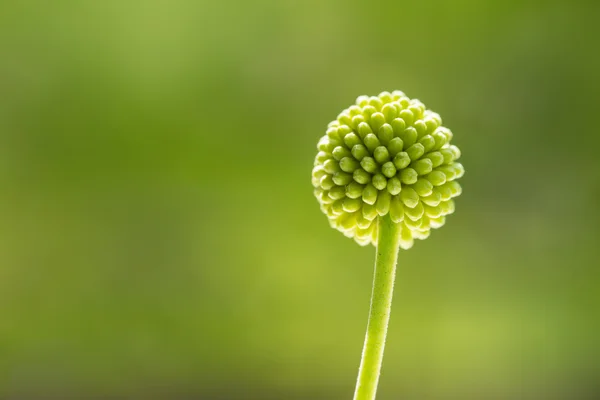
<point>388,244</point>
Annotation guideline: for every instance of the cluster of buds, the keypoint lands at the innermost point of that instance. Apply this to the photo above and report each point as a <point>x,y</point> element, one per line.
<point>387,154</point>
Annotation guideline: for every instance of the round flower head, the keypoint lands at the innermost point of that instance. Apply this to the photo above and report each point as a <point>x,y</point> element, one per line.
<point>387,154</point>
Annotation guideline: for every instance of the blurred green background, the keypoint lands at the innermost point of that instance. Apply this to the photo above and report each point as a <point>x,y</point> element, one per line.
<point>159,236</point>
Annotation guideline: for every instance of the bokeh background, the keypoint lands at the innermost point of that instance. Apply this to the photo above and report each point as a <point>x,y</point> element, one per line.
<point>159,238</point>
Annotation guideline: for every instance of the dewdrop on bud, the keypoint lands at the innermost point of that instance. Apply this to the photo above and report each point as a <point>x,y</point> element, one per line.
<point>387,155</point>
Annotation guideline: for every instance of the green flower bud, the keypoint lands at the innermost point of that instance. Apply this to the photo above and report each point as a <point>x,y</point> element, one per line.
<point>407,116</point>
<point>386,133</point>
<point>394,146</point>
<point>409,136</point>
<point>394,186</point>
<point>379,181</point>
<point>401,160</point>
<point>372,142</point>
<point>341,152</point>
<point>361,176</point>
<point>428,143</point>
<point>386,154</point>
<point>408,176</point>
<point>354,190</point>
<point>415,151</point>
<point>377,121</point>
<point>349,164</point>
<point>423,187</point>
<point>422,166</point>
<point>369,195</point>
<point>359,152</point>
<point>364,129</point>
<point>421,128</point>
<point>369,165</point>
<point>337,192</point>
<point>381,155</point>
<point>398,125</point>
<point>388,169</point>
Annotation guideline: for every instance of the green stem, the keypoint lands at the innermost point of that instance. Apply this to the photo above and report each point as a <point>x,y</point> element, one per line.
<point>388,244</point>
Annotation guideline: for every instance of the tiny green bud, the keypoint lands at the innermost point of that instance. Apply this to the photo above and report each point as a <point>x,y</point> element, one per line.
<point>351,205</point>
<point>395,146</point>
<point>408,176</point>
<point>394,186</point>
<point>369,211</point>
<point>377,121</point>
<point>348,164</point>
<point>383,203</point>
<point>433,212</point>
<point>437,222</point>
<point>368,110</point>
<point>422,166</point>
<point>342,178</point>
<point>341,152</point>
<point>333,133</point>
<point>407,116</point>
<point>379,181</point>
<point>409,136</point>
<point>447,207</point>
<point>321,157</point>
<point>456,152</point>
<point>364,129</point>
<point>371,142</point>
<point>390,112</point>
<point>459,170</point>
<point>432,124</point>
<point>369,164</point>
<point>433,199</point>
<point>376,102</point>
<point>348,221</point>
<point>448,171</point>
<point>386,133</point>
<point>421,128</point>
<point>428,143</point>
<point>351,139</point>
<point>445,192</point>
<point>362,222</point>
<point>423,187</point>
<point>337,207</point>
<point>331,166</point>
<point>398,125</point>
<point>354,190</point>
<point>385,96</point>
<point>369,194</point>
<point>409,197</point>
<point>436,158</point>
<point>337,192</point>
<point>401,160</point>
<point>388,169</point>
<point>416,212</point>
<point>318,172</point>
<point>381,154</point>
<point>396,210</point>
<point>437,178</point>
<point>413,225</point>
<point>359,151</point>
<point>357,120</point>
<point>327,182</point>
<point>361,176</point>
<point>415,151</point>
<point>448,155</point>
<point>406,239</point>
<point>440,140</point>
